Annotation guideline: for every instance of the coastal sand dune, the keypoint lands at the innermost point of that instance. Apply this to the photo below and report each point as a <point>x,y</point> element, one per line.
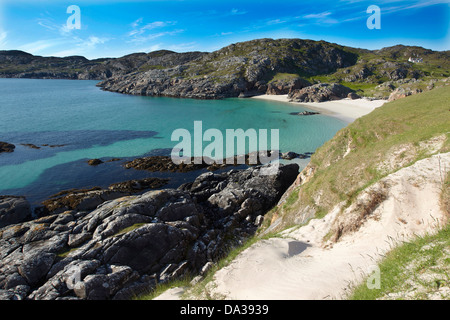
<point>345,109</point>
<point>301,265</point>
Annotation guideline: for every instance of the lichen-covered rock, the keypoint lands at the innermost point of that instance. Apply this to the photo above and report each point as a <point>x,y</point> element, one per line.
<point>320,92</point>
<point>125,246</point>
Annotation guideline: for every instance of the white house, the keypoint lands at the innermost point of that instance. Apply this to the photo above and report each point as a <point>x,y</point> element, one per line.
<point>415,60</point>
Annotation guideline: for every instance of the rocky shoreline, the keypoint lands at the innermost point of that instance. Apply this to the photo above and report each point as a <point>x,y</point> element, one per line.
<point>123,247</point>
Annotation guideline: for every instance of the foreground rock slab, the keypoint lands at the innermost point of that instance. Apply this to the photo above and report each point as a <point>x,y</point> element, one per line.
<point>127,245</point>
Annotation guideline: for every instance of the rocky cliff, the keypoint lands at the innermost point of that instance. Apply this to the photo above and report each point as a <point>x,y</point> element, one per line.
<point>242,68</point>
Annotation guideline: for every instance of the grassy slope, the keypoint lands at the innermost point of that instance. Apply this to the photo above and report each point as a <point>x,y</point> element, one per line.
<point>419,269</point>
<point>353,159</point>
<point>436,65</point>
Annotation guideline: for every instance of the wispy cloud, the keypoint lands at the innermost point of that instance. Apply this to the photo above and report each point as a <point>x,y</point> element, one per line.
<point>317,15</point>
<point>323,18</point>
<point>237,12</point>
<point>138,34</point>
<point>139,29</point>
<point>53,27</point>
<point>276,21</point>
<point>153,36</point>
<point>82,46</point>
<point>37,47</point>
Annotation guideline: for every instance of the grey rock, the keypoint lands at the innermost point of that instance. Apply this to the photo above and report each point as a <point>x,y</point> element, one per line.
<point>6,147</point>
<point>35,267</point>
<point>13,210</point>
<point>289,155</point>
<point>320,92</point>
<point>77,239</point>
<point>119,249</point>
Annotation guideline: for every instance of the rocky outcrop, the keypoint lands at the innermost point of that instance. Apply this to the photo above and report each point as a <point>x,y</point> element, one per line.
<point>162,164</point>
<point>286,86</point>
<point>94,162</point>
<point>241,69</point>
<point>125,246</point>
<point>6,147</point>
<point>79,199</point>
<point>89,199</point>
<point>304,113</point>
<point>402,92</point>
<point>320,92</point>
<point>13,210</point>
<point>133,186</point>
<point>165,163</point>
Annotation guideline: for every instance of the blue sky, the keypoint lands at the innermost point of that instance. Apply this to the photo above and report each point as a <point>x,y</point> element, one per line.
<point>115,28</point>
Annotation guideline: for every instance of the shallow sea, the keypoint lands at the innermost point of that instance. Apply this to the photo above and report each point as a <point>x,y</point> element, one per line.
<point>81,122</point>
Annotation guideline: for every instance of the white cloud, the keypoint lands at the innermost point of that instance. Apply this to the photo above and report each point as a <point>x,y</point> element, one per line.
<point>153,36</point>
<point>317,15</point>
<point>92,41</point>
<point>136,23</point>
<point>322,18</point>
<point>139,29</point>
<point>235,12</point>
<point>36,47</point>
<point>140,35</point>
<point>276,21</point>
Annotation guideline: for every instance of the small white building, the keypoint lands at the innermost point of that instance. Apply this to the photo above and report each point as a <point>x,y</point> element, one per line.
<point>415,60</point>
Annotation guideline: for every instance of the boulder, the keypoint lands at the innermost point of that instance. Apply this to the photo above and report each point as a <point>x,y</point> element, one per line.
<point>304,113</point>
<point>94,162</point>
<point>402,92</point>
<point>13,210</point>
<point>280,87</point>
<point>35,267</point>
<point>6,147</point>
<point>320,92</point>
<point>289,155</point>
<point>353,96</point>
<point>80,199</point>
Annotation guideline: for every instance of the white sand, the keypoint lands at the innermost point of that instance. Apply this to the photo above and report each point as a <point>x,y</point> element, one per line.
<point>345,109</point>
<point>299,266</point>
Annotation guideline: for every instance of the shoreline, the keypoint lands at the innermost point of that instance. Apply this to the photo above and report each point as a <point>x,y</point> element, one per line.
<point>346,109</point>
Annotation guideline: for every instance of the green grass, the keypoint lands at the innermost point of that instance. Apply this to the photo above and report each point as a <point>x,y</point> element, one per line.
<point>128,229</point>
<point>284,77</point>
<point>198,290</point>
<point>415,270</point>
<point>64,254</point>
<point>162,287</point>
<point>361,88</point>
<point>372,139</point>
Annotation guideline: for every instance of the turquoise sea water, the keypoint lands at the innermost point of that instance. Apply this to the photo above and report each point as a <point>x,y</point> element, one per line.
<point>91,123</point>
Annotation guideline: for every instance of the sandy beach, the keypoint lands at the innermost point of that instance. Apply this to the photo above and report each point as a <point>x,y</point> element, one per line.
<point>345,109</point>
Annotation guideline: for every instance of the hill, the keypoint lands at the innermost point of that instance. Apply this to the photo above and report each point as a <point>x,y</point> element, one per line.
<point>244,69</point>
